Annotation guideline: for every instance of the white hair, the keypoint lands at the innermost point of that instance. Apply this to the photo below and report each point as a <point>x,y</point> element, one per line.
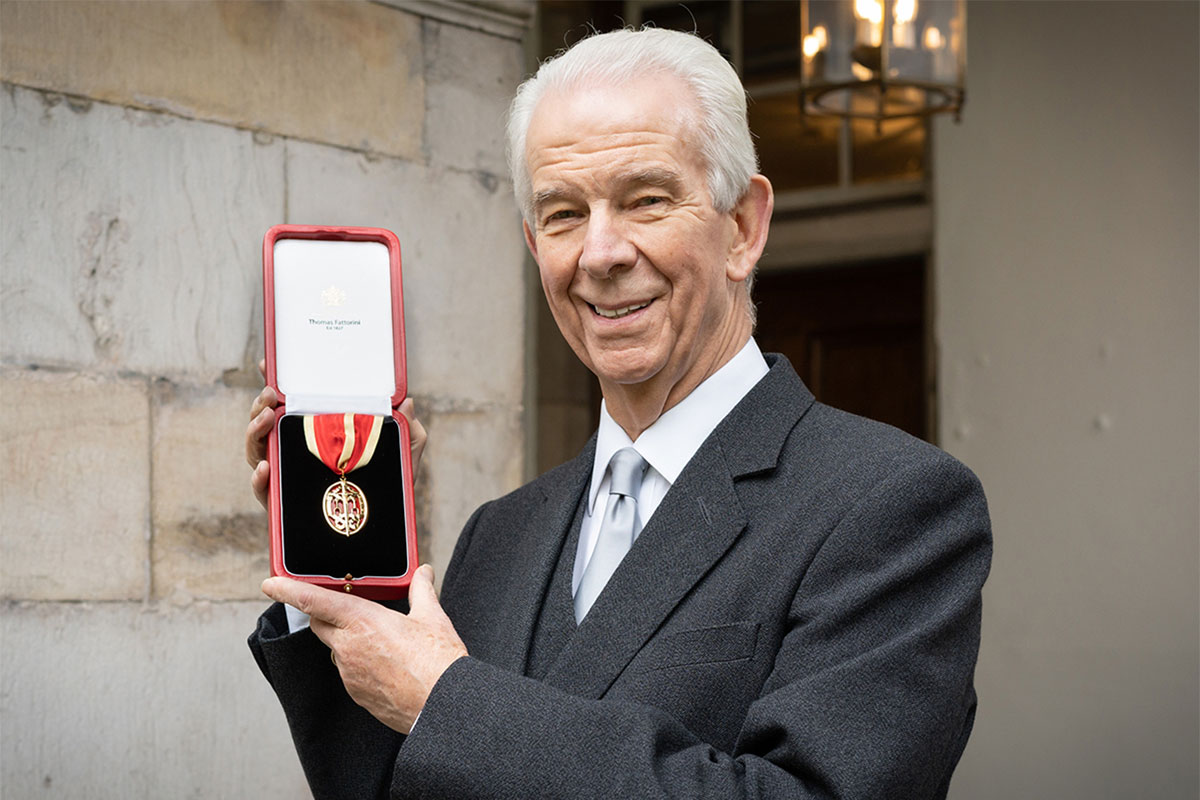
<point>619,56</point>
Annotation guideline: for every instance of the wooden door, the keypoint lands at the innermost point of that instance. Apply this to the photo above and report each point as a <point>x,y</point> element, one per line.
<point>855,334</point>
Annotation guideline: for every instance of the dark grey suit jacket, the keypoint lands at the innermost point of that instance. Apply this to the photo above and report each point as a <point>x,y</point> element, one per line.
<point>799,618</point>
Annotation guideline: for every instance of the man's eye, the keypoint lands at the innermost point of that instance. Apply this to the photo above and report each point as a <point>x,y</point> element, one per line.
<point>564,214</point>
<point>652,200</point>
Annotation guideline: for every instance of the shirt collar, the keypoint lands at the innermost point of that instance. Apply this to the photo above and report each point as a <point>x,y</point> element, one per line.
<point>669,444</point>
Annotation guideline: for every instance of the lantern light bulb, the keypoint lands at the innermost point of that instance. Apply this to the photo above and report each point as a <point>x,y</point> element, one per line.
<point>870,10</point>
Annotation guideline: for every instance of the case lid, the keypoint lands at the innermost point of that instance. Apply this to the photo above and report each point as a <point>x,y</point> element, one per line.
<point>334,319</point>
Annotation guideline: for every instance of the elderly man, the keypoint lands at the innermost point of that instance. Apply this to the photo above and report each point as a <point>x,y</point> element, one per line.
<point>733,591</point>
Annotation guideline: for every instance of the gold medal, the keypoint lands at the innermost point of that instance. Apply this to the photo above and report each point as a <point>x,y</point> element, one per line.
<point>343,442</point>
<point>345,507</point>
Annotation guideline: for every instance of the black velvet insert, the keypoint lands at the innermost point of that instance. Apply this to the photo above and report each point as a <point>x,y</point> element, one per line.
<point>310,546</point>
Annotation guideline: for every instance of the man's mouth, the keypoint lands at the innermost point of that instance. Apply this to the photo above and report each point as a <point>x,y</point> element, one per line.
<point>617,313</point>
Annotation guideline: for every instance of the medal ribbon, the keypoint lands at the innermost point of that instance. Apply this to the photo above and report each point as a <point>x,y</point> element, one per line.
<point>343,442</point>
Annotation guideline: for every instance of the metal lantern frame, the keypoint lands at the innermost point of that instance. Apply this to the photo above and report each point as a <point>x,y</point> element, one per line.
<point>818,97</point>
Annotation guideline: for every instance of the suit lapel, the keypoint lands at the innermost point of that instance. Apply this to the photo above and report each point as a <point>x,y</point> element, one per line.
<point>656,574</point>
<point>698,521</point>
<point>534,556</point>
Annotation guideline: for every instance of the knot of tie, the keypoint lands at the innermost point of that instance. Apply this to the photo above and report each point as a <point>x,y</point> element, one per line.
<point>627,467</point>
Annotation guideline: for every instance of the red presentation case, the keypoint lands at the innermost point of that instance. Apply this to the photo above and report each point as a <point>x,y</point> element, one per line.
<point>333,315</point>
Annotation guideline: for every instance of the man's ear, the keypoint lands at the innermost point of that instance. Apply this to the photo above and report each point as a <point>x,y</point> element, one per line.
<point>752,215</point>
<point>530,241</point>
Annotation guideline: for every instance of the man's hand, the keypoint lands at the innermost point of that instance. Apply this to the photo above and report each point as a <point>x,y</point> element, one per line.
<point>388,661</point>
<point>262,418</point>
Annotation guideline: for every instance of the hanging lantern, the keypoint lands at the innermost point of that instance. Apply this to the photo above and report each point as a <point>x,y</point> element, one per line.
<point>882,59</point>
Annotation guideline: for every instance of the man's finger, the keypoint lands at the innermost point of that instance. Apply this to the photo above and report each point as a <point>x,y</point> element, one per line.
<point>262,368</point>
<point>420,591</point>
<point>256,436</point>
<point>416,433</point>
<point>260,482</point>
<point>333,607</point>
<point>262,417</point>
<point>265,399</point>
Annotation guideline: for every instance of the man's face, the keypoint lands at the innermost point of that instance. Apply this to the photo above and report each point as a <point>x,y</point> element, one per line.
<point>635,261</point>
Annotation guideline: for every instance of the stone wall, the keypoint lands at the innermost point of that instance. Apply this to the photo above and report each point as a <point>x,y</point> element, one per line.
<point>145,149</point>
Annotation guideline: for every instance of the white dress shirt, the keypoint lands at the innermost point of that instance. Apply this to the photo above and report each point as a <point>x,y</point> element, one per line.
<point>667,445</point>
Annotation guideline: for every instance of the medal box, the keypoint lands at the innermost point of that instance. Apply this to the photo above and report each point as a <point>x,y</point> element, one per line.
<point>341,499</point>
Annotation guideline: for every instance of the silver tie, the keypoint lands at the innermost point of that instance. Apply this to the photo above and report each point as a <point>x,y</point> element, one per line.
<point>617,529</point>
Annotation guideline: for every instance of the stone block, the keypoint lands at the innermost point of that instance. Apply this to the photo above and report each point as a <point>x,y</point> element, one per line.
<point>463,257</point>
<point>469,80</point>
<point>121,700</point>
<point>277,67</point>
<point>210,534</point>
<point>472,457</point>
<point>135,242</point>
<point>75,488</point>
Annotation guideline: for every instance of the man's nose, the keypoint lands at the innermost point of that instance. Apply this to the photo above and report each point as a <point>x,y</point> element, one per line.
<point>606,246</point>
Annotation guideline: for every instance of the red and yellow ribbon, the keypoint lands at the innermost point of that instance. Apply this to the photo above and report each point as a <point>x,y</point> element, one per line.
<point>343,442</point>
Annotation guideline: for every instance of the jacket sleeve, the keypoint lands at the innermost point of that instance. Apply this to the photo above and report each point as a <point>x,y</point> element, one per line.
<point>345,752</point>
<point>870,694</point>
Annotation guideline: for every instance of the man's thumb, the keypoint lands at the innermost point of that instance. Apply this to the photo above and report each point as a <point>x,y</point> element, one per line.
<point>420,591</point>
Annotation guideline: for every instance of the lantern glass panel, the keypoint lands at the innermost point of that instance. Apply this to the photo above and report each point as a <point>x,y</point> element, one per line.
<point>827,40</point>
<point>923,39</point>
<point>894,41</point>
